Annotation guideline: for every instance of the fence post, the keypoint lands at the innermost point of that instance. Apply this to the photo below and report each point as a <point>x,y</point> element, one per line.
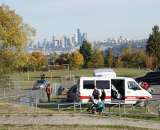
<point>159,110</point>
<point>109,109</point>
<point>58,107</point>
<point>28,75</point>
<point>132,107</point>
<point>74,106</point>
<point>51,75</point>
<point>9,84</point>
<point>36,103</point>
<point>55,85</point>
<point>4,92</point>
<point>80,107</point>
<point>146,107</point>
<point>124,109</point>
<point>119,108</point>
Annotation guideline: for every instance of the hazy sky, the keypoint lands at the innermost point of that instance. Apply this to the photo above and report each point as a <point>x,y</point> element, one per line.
<point>101,19</point>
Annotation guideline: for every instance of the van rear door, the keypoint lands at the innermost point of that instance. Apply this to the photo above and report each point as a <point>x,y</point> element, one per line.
<point>86,88</point>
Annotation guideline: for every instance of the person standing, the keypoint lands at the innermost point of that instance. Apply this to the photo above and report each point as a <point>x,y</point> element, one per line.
<point>96,94</point>
<point>49,92</point>
<point>103,95</point>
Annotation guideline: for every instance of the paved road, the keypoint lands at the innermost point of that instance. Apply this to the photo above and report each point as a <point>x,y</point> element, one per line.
<point>77,119</point>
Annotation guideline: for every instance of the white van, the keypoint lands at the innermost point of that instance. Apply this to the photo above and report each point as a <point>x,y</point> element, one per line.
<point>128,88</point>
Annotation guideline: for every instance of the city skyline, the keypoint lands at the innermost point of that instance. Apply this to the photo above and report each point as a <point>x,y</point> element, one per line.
<point>69,44</point>
<point>100,19</point>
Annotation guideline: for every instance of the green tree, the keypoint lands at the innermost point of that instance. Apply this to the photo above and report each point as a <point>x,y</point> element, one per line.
<point>109,58</point>
<point>76,59</point>
<point>140,58</point>
<point>97,59</point>
<point>126,56</point>
<point>132,57</point>
<point>52,57</point>
<point>117,63</point>
<point>63,59</point>
<point>14,35</point>
<point>153,44</point>
<point>87,51</point>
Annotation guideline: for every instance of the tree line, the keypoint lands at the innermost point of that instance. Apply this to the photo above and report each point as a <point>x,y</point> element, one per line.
<point>89,57</point>
<point>15,34</point>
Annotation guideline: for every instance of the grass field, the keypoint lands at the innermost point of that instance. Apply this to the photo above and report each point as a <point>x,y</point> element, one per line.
<point>66,127</point>
<point>57,74</point>
<point>16,109</point>
<point>27,79</point>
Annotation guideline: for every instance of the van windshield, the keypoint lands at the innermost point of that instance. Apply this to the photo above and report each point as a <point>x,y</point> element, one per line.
<point>132,85</point>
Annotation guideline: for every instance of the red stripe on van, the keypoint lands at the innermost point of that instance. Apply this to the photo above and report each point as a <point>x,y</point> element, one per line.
<point>137,97</point>
<point>88,97</point>
<point>107,97</point>
<point>84,97</point>
<point>126,97</point>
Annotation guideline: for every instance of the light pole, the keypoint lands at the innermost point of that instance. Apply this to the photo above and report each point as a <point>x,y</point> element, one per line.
<point>68,68</point>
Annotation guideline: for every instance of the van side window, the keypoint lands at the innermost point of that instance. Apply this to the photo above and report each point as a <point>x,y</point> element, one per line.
<point>133,85</point>
<point>102,84</point>
<point>88,84</point>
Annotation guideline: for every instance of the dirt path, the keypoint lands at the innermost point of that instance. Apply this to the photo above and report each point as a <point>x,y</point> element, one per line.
<point>76,119</point>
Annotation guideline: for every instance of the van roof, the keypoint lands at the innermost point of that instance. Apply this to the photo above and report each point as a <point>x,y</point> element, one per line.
<point>103,70</point>
<point>107,72</point>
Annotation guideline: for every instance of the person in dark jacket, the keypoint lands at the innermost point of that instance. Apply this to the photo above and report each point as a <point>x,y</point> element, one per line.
<point>103,95</point>
<point>95,93</point>
<point>48,92</point>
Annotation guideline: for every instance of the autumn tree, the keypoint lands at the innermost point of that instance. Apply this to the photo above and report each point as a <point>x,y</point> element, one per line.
<point>150,62</point>
<point>37,61</point>
<point>14,35</point>
<point>117,63</point>
<point>7,62</point>
<point>97,59</point>
<point>23,61</point>
<point>87,51</point>
<point>76,60</point>
<point>153,45</point>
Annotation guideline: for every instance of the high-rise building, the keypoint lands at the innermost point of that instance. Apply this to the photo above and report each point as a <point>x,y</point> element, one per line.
<point>80,37</point>
<point>84,37</point>
<point>61,44</point>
